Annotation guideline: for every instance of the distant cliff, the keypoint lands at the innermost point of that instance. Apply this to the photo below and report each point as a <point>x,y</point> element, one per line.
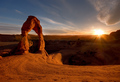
<point>115,34</point>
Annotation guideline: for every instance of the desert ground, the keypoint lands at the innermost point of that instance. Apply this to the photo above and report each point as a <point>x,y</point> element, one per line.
<point>71,59</point>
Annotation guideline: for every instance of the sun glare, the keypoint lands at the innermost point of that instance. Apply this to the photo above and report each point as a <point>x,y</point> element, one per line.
<point>98,32</point>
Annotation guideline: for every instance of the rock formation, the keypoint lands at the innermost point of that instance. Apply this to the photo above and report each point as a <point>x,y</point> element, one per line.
<point>0,57</point>
<point>31,23</point>
<point>115,34</point>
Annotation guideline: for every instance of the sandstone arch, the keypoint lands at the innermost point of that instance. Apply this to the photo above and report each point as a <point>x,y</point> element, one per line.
<point>31,23</point>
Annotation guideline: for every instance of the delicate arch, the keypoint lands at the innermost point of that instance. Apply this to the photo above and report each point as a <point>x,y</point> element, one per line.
<point>31,23</point>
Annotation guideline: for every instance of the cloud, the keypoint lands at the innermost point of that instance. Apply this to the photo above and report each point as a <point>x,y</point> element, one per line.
<point>54,7</point>
<point>8,24</point>
<point>54,31</point>
<point>10,19</point>
<point>19,12</point>
<point>49,20</point>
<point>58,24</point>
<point>57,27</point>
<point>108,11</point>
<point>60,32</point>
<point>7,28</point>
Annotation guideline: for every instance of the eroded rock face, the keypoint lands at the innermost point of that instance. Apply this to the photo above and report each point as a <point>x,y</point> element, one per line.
<point>0,57</point>
<point>23,46</point>
<point>115,34</point>
<point>31,23</point>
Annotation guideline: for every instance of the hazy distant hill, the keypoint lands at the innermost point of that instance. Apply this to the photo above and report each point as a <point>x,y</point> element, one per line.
<point>115,34</point>
<point>13,38</point>
<point>7,38</point>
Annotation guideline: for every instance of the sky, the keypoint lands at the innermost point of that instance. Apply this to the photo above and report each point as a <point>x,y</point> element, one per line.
<point>61,17</point>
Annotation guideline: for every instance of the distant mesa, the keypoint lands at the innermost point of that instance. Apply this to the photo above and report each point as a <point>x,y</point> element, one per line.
<point>23,47</point>
<point>116,34</point>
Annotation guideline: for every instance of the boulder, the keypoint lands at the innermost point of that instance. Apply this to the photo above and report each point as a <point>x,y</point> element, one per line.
<point>0,57</point>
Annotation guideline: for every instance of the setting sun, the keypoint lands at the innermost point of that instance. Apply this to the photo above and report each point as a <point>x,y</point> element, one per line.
<point>98,32</point>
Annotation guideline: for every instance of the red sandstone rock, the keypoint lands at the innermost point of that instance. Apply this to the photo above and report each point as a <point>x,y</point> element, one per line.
<point>0,57</point>
<point>23,46</point>
<point>115,34</point>
<point>31,23</point>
